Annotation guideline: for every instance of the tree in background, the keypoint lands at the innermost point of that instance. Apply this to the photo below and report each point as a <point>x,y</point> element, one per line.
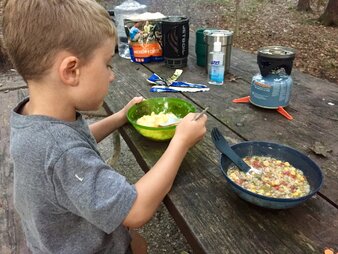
<point>330,15</point>
<point>304,5</point>
<point>3,56</point>
<point>237,17</point>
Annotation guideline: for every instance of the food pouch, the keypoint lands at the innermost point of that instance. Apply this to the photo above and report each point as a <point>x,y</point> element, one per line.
<point>144,37</point>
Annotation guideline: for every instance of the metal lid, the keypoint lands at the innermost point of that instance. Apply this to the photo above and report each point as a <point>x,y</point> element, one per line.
<point>175,19</point>
<point>215,32</point>
<point>279,52</point>
<point>224,36</point>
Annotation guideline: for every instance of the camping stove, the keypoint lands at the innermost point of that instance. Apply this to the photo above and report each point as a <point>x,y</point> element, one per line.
<point>271,88</point>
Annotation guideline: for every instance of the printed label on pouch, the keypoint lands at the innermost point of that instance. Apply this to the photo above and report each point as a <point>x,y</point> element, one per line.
<point>146,50</point>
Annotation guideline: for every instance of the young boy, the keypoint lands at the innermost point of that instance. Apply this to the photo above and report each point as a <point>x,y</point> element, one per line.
<point>68,199</point>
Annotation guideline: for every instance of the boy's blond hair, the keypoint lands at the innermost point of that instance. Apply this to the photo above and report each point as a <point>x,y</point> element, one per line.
<point>35,31</point>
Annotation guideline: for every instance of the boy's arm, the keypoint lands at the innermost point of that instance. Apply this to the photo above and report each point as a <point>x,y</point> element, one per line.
<point>106,126</point>
<point>157,182</point>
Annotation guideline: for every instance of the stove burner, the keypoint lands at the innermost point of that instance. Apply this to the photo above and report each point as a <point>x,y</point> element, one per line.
<point>273,58</point>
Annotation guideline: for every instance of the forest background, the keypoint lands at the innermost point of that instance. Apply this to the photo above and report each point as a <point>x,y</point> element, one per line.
<point>309,26</point>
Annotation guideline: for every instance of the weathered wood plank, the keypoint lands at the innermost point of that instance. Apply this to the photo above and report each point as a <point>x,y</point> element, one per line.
<point>211,216</point>
<point>11,81</point>
<point>12,239</point>
<point>315,121</point>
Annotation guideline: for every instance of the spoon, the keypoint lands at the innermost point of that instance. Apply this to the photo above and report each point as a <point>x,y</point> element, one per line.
<point>200,114</point>
<point>172,120</point>
<point>223,146</point>
<point>175,120</point>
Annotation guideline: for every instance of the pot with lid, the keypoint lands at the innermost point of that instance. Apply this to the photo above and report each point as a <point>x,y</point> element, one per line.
<point>175,40</point>
<point>271,88</point>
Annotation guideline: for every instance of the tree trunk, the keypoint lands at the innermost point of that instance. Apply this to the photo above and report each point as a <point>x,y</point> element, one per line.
<point>304,5</point>
<point>319,4</point>
<point>237,17</point>
<point>330,15</point>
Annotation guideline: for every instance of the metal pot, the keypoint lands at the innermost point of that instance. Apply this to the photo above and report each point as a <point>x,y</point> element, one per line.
<point>225,37</point>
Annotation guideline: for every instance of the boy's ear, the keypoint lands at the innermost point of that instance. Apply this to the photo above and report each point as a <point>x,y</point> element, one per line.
<point>69,70</point>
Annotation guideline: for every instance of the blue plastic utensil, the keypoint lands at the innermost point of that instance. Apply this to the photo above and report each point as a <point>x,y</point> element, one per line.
<point>223,146</point>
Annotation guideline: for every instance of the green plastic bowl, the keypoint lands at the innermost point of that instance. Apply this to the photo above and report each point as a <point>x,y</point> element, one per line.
<point>176,106</point>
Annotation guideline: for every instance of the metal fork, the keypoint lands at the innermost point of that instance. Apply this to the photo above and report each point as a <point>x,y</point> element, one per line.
<point>223,146</point>
<point>200,114</point>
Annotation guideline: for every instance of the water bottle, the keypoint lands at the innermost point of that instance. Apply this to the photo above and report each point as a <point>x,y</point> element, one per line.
<point>216,65</point>
<point>125,10</point>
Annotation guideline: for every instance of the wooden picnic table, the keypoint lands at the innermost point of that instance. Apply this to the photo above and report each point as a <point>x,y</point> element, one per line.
<point>210,215</point>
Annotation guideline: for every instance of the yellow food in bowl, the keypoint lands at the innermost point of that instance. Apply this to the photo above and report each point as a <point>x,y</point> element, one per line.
<point>180,108</point>
<point>155,120</point>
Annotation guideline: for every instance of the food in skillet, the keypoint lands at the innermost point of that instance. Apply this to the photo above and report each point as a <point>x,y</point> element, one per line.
<point>279,179</point>
<point>155,120</point>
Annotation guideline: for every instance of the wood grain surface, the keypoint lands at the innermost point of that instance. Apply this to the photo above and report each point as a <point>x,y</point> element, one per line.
<point>211,216</point>
<point>12,239</point>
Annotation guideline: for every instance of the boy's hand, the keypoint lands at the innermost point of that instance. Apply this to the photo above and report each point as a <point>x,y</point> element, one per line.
<point>131,103</point>
<point>190,131</point>
<point>104,127</point>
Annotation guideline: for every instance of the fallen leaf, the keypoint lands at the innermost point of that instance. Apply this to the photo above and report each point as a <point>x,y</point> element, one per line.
<point>320,149</point>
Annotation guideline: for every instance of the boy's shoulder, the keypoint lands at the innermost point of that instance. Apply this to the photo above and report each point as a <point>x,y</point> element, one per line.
<point>41,132</point>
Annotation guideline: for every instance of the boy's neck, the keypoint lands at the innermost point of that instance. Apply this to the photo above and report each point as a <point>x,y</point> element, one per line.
<point>48,101</point>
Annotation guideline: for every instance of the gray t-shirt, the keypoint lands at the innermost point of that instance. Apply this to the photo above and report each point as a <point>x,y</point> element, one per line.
<point>69,200</point>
